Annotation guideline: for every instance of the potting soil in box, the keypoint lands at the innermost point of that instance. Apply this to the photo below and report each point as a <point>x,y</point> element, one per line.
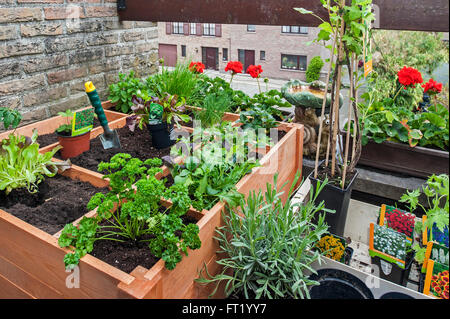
<point>59,201</point>
<point>137,144</point>
<point>127,255</point>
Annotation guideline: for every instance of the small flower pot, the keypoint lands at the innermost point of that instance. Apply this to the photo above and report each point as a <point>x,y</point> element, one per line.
<point>436,279</point>
<point>389,267</point>
<point>160,135</point>
<point>347,251</point>
<point>74,145</point>
<point>337,199</point>
<point>383,219</point>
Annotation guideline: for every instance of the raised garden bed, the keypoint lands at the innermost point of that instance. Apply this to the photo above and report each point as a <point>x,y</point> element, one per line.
<point>401,158</point>
<point>32,262</point>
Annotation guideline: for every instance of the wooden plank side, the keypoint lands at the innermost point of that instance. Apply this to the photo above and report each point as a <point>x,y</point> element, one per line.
<point>38,253</point>
<point>10,291</point>
<point>27,282</point>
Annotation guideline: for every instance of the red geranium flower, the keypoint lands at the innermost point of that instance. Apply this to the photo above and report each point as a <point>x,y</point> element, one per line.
<point>234,66</point>
<point>432,86</point>
<point>254,71</point>
<point>409,77</point>
<point>196,67</point>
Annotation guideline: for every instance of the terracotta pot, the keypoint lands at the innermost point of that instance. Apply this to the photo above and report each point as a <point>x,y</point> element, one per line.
<point>74,145</point>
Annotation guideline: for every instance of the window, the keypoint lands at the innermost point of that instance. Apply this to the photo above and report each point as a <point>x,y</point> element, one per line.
<point>262,55</point>
<point>183,50</point>
<point>241,56</point>
<point>193,28</point>
<point>225,54</point>
<point>178,28</point>
<point>293,62</point>
<point>294,29</point>
<point>209,29</point>
<point>251,28</point>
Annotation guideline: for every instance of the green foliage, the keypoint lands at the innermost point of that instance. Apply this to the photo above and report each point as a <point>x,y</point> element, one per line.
<point>212,171</point>
<point>213,108</point>
<point>314,68</point>
<point>436,190</point>
<point>389,120</point>
<point>122,92</point>
<point>139,214</point>
<point>21,164</point>
<point>180,81</point>
<point>67,127</point>
<point>257,118</point>
<point>10,117</point>
<point>268,245</point>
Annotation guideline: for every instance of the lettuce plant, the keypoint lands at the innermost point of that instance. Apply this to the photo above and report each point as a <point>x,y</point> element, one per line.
<point>133,212</point>
<point>21,164</point>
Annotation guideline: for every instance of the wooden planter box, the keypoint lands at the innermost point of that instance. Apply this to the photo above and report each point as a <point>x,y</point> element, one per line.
<point>401,158</point>
<point>31,261</point>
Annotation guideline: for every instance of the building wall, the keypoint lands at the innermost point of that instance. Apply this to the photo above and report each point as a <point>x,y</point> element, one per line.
<point>267,38</point>
<point>46,54</point>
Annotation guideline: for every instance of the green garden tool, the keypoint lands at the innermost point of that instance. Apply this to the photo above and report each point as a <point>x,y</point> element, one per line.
<point>109,138</point>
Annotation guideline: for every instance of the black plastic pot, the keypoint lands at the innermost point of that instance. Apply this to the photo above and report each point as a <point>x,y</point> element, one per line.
<point>160,134</point>
<point>338,284</point>
<point>336,199</point>
<point>392,272</point>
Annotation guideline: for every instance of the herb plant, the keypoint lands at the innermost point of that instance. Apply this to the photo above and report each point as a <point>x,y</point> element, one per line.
<point>436,190</point>
<point>134,214</point>
<point>268,246</point>
<point>65,128</point>
<point>122,92</point>
<point>10,117</point>
<point>212,171</point>
<point>21,164</point>
<point>213,108</point>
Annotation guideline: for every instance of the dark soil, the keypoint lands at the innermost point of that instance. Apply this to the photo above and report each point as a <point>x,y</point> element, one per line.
<point>47,139</point>
<point>137,144</point>
<point>325,172</point>
<point>50,209</point>
<point>126,256</point>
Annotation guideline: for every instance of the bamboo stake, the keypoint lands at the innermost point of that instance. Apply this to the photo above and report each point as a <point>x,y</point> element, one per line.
<point>336,99</point>
<point>349,121</point>
<point>322,115</point>
<point>356,103</point>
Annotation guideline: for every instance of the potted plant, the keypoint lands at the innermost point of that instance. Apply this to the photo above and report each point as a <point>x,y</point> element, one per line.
<point>389,251</point>
<point>335,247</point>
<point>344,27</point>
<point>159,115</point>
<point>434,225</point>
<point>397,220</point>
<point>268,245</point>
<point>74,143</point>
<point>436,282</point>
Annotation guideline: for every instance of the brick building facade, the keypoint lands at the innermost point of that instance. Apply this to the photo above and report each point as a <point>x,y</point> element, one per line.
<point>282,51</point>
<point>49,48</point>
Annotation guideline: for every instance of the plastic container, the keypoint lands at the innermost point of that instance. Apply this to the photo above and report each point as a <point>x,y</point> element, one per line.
<point>74,145</point>
<point>160,135</point>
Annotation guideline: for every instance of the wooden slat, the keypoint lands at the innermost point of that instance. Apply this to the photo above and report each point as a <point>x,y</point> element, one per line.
<point>10,291</point>
<point>419,15</point>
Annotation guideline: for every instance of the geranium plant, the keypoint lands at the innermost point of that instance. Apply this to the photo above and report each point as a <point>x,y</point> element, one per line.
<point>235,67</point>
<point>196,67</point>
<point>255,72</point>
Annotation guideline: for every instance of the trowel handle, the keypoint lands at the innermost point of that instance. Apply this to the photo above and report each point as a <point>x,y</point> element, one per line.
<point>97,104</point>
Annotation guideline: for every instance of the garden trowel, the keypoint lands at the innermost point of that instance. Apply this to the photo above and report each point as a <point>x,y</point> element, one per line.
<point>109,138</point>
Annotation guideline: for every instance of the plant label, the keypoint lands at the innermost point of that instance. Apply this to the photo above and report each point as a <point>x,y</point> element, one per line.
<point>82,121</point>
<point>385,267</point>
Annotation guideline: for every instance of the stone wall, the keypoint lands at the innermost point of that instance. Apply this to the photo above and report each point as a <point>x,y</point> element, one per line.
<point>49,48</point>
